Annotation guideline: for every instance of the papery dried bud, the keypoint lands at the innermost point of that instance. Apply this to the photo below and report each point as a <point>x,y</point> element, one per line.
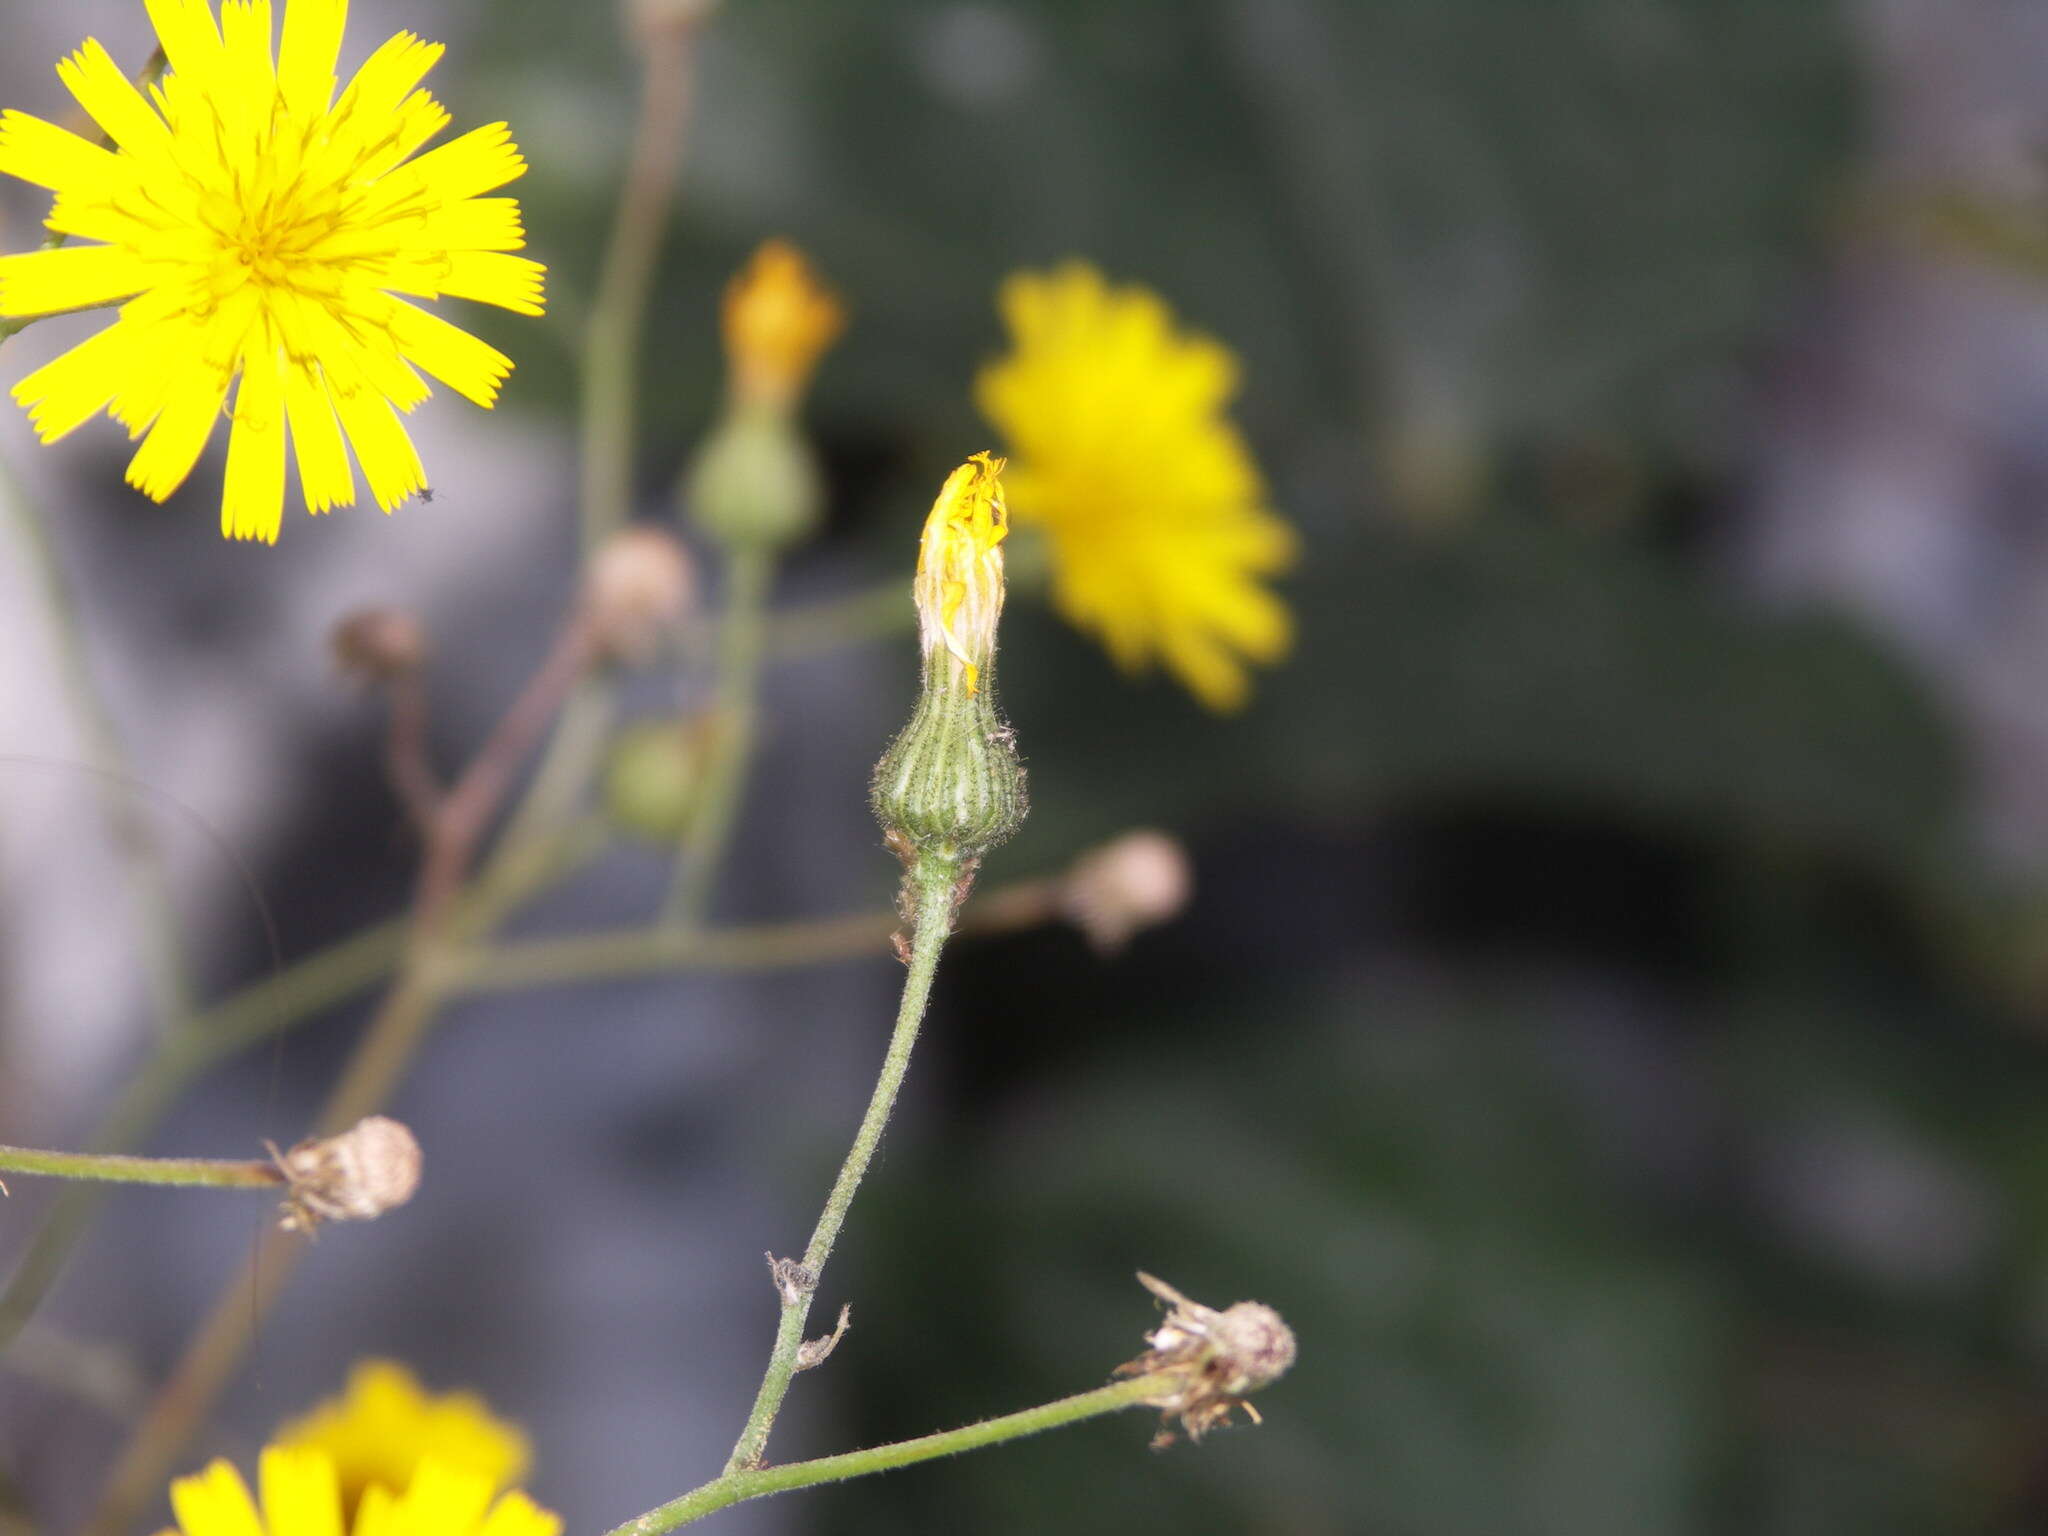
<point>370,1168</point>
<point>1216,1360</point>
<point>379,644</point>
<point>1127,885</point>
<point>640,584</point>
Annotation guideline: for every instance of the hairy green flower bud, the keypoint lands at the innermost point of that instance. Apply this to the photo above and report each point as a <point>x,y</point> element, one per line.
<point>950,786</point>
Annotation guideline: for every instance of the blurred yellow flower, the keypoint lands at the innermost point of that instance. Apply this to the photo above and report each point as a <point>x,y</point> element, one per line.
<point>260,228</point>
<point>778,320</point>
<point>959,585</point>
<point>385,1425</point>
<point>1155,512</point>
<point>301,1497</point>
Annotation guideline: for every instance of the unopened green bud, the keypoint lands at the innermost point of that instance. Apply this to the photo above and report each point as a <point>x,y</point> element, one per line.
<point>652,778</point>
<point>950,786</point>
<point>756,484</point>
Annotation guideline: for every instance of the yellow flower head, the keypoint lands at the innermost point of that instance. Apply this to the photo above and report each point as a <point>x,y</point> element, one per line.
<point>302,1497</point>
<point>382,1428</point>
<point>959,586</point>
<point>254,225</point>
<point>1155,512</point>
<point>778,320</point>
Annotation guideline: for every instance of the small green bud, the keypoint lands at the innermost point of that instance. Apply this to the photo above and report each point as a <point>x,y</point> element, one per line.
<point>950,787</point>
<point>651,778</point>
<point>756,483</point>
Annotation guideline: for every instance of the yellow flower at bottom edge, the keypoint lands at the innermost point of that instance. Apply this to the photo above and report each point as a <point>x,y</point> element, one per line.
<point>302,1497</point>
<point>385,1424</point>
<point>255,226</point>
<point>1155,511</point>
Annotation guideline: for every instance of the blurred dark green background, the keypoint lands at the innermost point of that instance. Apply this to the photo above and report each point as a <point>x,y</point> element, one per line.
<point>1611,1024</point>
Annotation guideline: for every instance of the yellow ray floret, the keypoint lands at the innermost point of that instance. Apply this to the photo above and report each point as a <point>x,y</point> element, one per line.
<point>301,1496</point>
<point>959,586</point>
<point>263,236</point>
<point>1121,450</point>
<point>385,1424</point>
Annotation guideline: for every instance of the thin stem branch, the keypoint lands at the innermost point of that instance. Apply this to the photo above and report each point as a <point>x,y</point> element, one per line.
<point>406,759</point>
<point>750,574</point>
<point>428,974</point>
<point>735,1487</point>
<point>611,353</point>
<point>464,813</point>
<point>142,1104</point>
<point>114,1168</point>
<point>656,950</point>
<point>872,613</point>
<point>933,921</point>
<point>296,994</point>
<point>135,842</point>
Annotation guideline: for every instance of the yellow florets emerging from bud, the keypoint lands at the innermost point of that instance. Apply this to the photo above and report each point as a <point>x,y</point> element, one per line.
<point>950,786</point>
<point>960,569</point>
<point>778,320</point>
<point>755,482</point>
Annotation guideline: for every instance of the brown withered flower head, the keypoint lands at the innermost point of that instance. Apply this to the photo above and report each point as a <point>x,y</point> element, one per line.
<point>1216,1360</point>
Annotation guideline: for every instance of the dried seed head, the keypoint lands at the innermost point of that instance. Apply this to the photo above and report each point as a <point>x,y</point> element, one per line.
<point>1216,1359</point>
<point>370,1168</point>
<point>379,644</point>
<point>640,585</point>
<point>1134,882</point>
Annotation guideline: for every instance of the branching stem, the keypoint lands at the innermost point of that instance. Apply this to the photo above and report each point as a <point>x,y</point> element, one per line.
<point>932,883</point>
<point>734,1487</point>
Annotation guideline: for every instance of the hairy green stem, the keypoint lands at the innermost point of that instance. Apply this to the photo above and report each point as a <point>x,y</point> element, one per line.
<point>742,635</point>
<point>736,1487</point>
<point>932,883</point>
<point>114,1168</point>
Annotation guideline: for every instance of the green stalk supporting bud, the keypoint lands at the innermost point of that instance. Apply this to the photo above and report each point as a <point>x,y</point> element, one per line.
<point>950,786</point>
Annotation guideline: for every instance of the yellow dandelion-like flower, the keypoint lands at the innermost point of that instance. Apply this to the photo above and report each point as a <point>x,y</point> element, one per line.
<point>778,320</point>
<point>385,1424</point>
<point>1154,509</point>
<point>301,1496</point>
<point>263,235</point>
<point>959,585</point>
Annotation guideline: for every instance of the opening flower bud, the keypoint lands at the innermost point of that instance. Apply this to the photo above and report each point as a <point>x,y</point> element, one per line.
<point>950,787</point>
<point>777,320</point>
